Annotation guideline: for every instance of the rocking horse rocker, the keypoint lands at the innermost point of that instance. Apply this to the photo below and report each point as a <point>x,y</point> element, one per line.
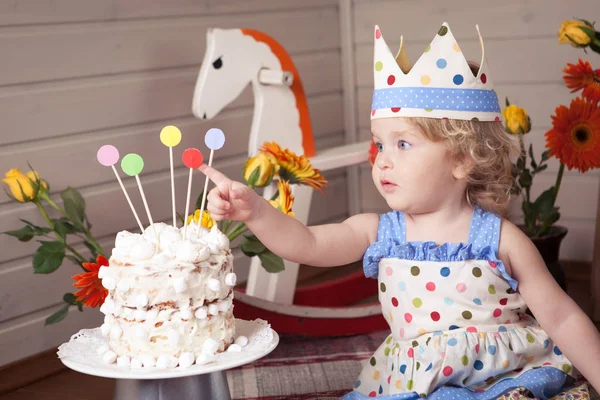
<point>234,58</point>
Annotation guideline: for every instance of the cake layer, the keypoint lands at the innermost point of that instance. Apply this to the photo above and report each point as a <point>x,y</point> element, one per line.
<point>172,336</point>
<point>146,285</point>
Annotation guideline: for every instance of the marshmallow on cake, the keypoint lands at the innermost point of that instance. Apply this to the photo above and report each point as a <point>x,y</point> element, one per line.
<point>170,297</point>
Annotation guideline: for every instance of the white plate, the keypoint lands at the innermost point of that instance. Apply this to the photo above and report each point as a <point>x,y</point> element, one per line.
<point>87,361</point>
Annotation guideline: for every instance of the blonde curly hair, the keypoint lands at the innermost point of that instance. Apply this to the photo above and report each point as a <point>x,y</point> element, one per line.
<point>483,146</point>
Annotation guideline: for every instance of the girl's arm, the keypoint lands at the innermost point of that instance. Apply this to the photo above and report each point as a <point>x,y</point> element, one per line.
<point>322,245</point>
<point>568,326</point>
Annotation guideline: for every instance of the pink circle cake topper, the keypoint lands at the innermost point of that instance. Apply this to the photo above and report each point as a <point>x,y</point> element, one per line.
<point>108,155</point>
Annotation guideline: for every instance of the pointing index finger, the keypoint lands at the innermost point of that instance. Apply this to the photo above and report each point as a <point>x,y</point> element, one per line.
<point>212,174</point>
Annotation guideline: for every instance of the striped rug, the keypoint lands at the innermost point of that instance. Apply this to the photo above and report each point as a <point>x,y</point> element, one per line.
<point>307,368</point>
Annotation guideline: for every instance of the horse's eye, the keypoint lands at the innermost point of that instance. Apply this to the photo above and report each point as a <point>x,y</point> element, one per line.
<point>218,63</point>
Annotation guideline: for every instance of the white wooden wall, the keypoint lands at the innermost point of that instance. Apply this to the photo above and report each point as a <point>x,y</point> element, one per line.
<point>526,64</point>
<point>77,74</point>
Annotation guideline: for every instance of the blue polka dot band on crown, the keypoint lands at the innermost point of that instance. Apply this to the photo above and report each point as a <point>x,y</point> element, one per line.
<point>441,84</point>
<point>471,101</point>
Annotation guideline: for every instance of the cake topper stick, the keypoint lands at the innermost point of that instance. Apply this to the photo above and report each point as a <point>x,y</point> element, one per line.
<point>214,140</point>
<point>170,136</point>
<point>192,158</point>
<point>108,156</point>
<point>132,164</point>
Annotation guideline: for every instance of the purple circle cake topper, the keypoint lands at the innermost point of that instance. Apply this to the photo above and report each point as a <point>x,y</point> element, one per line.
<point>214,139</point>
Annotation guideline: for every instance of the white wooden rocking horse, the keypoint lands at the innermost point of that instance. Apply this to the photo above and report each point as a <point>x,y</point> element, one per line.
<point>233,59</point>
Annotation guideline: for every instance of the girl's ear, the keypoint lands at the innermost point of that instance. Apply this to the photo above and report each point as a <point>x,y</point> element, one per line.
<point>462,168</point>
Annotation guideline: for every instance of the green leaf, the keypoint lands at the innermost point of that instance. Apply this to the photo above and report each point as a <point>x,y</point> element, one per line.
<point>588,31</point>
<point>92,249</point>
<point>545,202</point>
<point>251,246</point>
<point>525,179</point>
<point>48,257</point>
<point>533,163</point>
<point>25,234</point>
<point>546,155</point>
<point>540,168</point>
<point>80,307</point>
<point>63,227</point>
<point>521,163</point>
<point>199,203</point>
<point>74,207</point>
<point>70,298</point>
<point>507,102</point>
<point>58,316</point>
<point>271,262</point>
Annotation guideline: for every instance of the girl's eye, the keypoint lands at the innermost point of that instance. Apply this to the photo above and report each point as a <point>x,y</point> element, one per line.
<point>404,145</point>
<point>379,147</point>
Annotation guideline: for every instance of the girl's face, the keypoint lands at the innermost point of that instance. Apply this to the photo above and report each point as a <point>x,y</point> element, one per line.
<point>412,173</point>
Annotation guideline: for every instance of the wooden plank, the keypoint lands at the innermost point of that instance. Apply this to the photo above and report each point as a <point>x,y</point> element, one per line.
<point>27,335</point>
<point>61,11</point>
<point>30,370</point>
<point>52,157</point>
<point>89,105</point>
<point>107,208</point>
<point>595,277</point>
<point>509,19</point>
<point>62,387</point>
<point>511,60</point>
<point>112,48</point>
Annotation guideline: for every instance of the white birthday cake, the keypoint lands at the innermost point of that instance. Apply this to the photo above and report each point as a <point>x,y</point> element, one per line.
<point>170,298</point>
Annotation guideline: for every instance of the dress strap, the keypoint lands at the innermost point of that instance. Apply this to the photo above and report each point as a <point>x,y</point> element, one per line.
<point>485,230</point>
<point>392,226</point>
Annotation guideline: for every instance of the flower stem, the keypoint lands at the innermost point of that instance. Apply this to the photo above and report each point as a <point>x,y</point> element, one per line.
<point>237,230</point>
<point>63,240</point>
<point>226,225</point>
<point>87,233</point>
<point>559,176</point>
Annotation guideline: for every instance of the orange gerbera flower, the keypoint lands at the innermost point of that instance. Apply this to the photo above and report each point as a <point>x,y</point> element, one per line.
<point>372,153</point>
<point>294,168</point>
<point>575,136</point>
<point>582,76</point>
<point>91,291</point>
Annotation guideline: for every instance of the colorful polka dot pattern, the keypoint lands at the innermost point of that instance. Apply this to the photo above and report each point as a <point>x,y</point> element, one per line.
<point>439,85</point>
<point>453,322</point>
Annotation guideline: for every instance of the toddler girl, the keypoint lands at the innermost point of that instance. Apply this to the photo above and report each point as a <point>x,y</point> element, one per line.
<point>455,278</point>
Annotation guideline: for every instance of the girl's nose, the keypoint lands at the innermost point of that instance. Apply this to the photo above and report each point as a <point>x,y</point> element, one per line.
<point>383,160</point>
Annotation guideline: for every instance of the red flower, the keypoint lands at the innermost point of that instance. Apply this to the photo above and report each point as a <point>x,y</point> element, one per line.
<point>582,76</point>
<point>91,291</point>
<point>575,136</point>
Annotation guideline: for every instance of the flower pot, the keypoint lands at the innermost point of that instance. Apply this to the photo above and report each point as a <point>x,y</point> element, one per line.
<point>549,246</point>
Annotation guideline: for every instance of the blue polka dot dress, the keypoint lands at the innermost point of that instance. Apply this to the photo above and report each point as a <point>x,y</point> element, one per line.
<point>458,324</point>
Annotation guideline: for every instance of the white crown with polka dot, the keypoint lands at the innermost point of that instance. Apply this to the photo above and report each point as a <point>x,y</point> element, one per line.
<point>439,85</point>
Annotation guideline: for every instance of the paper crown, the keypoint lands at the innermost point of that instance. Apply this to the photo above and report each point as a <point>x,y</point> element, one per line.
<point>439,85</point>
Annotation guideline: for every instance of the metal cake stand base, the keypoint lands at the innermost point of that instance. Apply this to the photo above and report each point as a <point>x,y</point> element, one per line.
<point>212,386</point>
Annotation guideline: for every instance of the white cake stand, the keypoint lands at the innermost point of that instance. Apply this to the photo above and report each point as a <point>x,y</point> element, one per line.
<point>206,381</point>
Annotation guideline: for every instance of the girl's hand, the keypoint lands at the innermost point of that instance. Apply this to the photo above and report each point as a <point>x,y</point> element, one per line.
<point>229,199</point>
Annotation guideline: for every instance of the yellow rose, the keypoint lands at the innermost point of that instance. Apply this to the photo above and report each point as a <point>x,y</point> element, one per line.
<point>517,120</point>
<point>571,33</point>
<point>285,200</point>
<point>259,170</point>
<point>24,187</point>
<point>207,220</point>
